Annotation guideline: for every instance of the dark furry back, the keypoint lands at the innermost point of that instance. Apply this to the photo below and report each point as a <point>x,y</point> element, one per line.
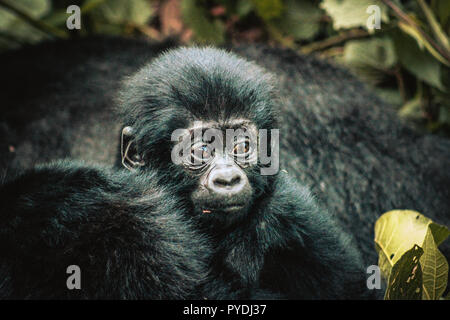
<point>126,234</point>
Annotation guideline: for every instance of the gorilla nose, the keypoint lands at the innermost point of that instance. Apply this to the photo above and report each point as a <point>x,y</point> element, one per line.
<point>227,180</point>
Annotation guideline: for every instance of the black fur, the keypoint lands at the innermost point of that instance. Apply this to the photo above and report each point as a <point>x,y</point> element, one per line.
<point>337,138</point>
<point>285,244</point>
<point>127,235</point>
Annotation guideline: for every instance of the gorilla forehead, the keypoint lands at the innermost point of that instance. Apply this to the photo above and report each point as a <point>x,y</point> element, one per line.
<point>188,84</point>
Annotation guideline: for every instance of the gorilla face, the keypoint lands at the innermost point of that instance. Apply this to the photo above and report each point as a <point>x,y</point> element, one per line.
<point>223,190</point>
<point>194,115</point>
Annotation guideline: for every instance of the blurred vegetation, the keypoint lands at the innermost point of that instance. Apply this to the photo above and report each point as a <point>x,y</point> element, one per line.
<point>406,61</point>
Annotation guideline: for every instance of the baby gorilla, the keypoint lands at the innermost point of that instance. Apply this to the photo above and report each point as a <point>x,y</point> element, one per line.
<point>269,237</point>
<point>124,232</point>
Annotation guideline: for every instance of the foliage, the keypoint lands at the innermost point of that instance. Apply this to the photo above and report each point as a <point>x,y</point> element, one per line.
<point>406,61</point>
<point>409,259</point>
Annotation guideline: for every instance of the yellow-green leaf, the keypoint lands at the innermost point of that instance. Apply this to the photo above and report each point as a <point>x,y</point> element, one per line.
<point>352,13</point>
<point>440,233</point>
<point>434,269</point>
<point>396,232</point>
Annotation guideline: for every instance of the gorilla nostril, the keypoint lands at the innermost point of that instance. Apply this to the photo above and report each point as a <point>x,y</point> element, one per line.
<point>227,181</point>
<point>235,180</point>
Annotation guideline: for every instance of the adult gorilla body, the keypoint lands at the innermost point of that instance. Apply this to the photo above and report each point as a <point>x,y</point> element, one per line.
<point>339,138</point>
<point>129,238</point>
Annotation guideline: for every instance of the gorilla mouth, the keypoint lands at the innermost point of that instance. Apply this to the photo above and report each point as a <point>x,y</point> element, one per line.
<point>235,207</point>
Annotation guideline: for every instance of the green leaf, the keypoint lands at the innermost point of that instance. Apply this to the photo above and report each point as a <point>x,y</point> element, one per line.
<point>300,20</point>
<point>352,13</point>
<point>121,12</point>
<point>405,280</point>
<point>434,269</point>
<point>268,9</point>
<point>370,58</point>
<point>440,233</point>
<point>420,63</point>
<point>378,53</point>
<point>206,29</point>
<point>422,42</point>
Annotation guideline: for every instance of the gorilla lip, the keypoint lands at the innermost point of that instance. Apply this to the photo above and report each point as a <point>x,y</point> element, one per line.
<point>229,208</point>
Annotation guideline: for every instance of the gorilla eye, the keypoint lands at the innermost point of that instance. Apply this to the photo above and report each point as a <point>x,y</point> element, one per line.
<point>241,148</point>
<point>200,154</point>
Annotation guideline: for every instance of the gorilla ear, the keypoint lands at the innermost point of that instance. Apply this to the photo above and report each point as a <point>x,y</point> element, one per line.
<point>130,156</point>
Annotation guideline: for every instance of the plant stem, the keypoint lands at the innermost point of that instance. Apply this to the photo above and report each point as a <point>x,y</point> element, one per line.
<point>332,41</point>
<point>403,16</point>
<point>437,30</point>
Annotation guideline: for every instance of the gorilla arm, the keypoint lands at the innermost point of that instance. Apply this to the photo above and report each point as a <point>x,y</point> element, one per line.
<point>293,250</point>
<point>123,231</point>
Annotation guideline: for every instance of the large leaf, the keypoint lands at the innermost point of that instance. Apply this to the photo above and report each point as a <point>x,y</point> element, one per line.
<point>405,280</point>
<point>352,13</point>
<point>300,20</point>
<point>395,233</point>
<point>434,269</point>
<point>206,29</point>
